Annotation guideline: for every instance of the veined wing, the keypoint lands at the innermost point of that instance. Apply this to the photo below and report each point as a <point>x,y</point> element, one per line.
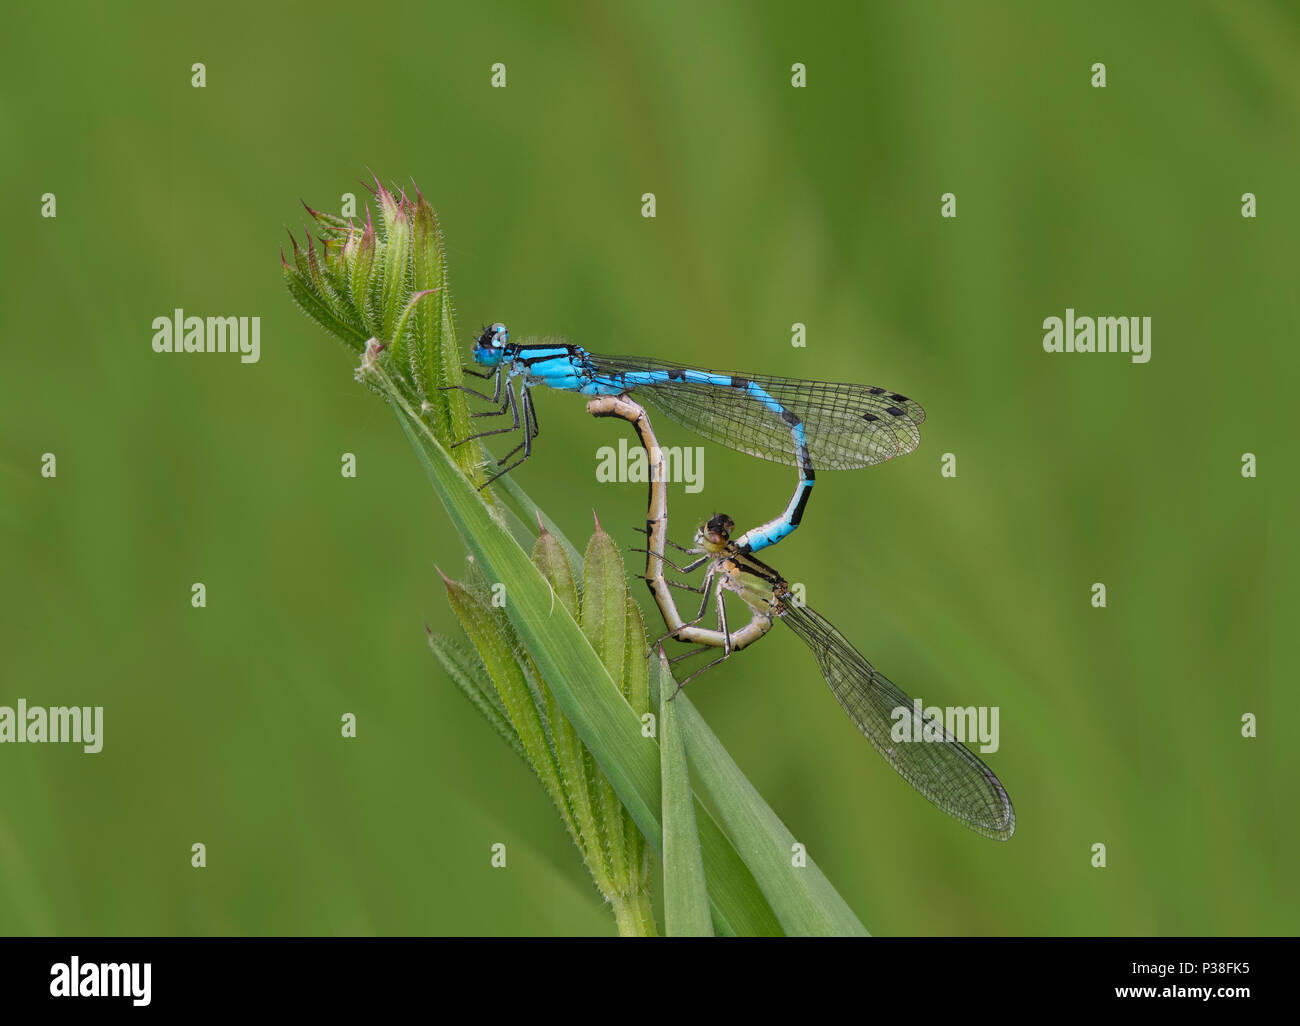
<point>946,772</point>
<point>844,426</point>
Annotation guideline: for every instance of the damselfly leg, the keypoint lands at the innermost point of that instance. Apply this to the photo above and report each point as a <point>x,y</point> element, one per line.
<point>668,541</point>
<point>722,629</point>
<point>531,431</point>
<point>509,404</point>
<point>495,397</point>
<point>689,568</point>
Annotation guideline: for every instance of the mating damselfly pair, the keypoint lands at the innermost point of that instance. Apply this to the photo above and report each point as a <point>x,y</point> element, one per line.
<point>934,762</point>
<point>792,421</point>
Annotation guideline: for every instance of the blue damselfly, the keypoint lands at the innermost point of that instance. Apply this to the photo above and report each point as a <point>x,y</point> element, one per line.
<point>804,424</point>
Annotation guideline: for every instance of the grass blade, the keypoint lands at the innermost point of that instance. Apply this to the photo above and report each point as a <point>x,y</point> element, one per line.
<point>802,898</point>
<point>469,674</point>
<point>686,897</point>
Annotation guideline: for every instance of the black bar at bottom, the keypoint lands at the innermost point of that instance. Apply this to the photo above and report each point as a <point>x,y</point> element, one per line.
<point>914,975</point>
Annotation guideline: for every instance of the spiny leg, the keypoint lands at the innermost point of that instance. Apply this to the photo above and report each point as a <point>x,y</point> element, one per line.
<point>722,609</point>
<point>530,427</point>
<point>528,445</point>
<point>530,414</point>
<point>704,588</point>
<point>514,411</point>
<point>722,658</point>
<point>679,548</point>
<point>495,397</point>
<point>727,645</point>
<point>699,649</point>
<point>689,568</point>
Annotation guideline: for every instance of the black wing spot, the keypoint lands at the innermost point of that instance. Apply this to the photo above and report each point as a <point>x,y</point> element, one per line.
<point>869,416</point>
<point>895,411</point>
<point>898,398</point>
<point>876,391</point>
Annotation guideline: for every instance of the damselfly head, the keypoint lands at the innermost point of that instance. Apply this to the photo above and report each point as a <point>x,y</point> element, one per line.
<point>491,345</point>
<point>715,534</point>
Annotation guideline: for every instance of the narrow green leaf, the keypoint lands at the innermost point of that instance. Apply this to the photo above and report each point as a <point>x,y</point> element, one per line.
<point>686,897</point>
<point>604,601</point>
<point>523,535</point>
<point>604,621</point>
<point>575,763</point>
<point>400,331</point>
<point>329,223</point>
<point>636,687</point>
<point>395,287</point>
<point>361,279</point>
<point>427,270</point>
<point>498,655</point>
<point>323,285</point>
<point>550,558</point>
<point>801,896</point>
<point>471,677</point>
<point>589,697</point>
<point>316,309</point>
<point>389,208</point>
<point>636,667</point>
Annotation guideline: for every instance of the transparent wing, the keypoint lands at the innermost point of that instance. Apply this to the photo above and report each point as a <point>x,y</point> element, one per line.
<point>946,772</point>
<point>845,426</point>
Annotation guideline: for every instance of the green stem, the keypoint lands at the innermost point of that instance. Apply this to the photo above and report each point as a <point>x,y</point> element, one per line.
<point>634,914</point>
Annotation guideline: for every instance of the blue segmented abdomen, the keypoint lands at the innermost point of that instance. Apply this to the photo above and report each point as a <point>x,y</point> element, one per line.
<point>843,426</point>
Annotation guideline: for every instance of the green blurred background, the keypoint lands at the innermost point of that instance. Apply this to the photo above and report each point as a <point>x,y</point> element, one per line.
<point>775,205</point>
